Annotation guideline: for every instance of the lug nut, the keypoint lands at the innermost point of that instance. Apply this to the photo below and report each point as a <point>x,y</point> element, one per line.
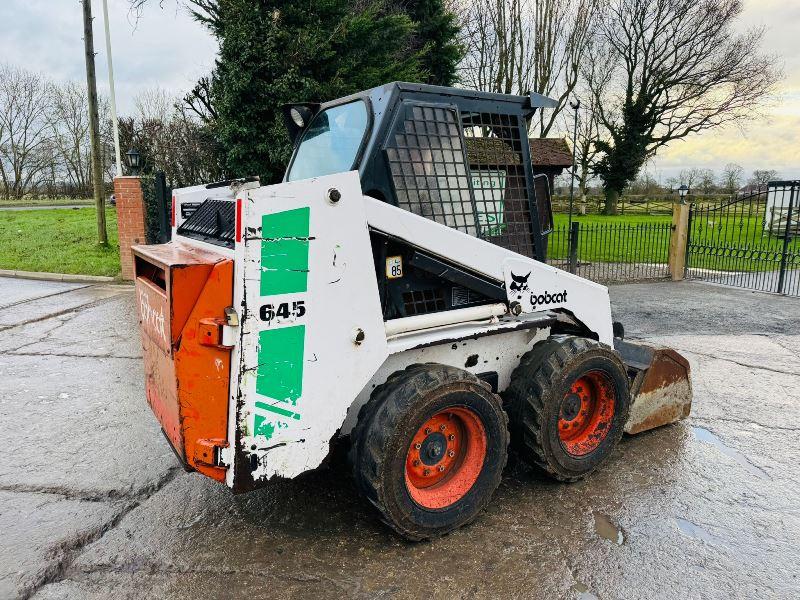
<point>426,472</point>
<point>442,427</point>
<point>451,454</point>
<point>417,446</point>
<point>416,463</point>
<point>441,468</point>
<point>427,430</point>
<point>451,437</point>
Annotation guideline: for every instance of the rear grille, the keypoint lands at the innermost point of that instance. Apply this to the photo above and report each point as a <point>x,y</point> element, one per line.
<point>214,221</point>
<point>462,296</point>
<point>421,302</point>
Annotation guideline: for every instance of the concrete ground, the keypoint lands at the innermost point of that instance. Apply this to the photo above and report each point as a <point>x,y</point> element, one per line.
<point>93,505</point>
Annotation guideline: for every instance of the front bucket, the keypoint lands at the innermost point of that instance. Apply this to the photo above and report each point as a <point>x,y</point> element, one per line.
<point>661,387</point>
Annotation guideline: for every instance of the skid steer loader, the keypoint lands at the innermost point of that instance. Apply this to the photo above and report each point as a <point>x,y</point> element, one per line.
<point>393,290</point>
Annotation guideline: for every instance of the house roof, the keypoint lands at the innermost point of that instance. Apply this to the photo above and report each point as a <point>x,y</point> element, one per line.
<point>550,152</point>
<point>545,152</point>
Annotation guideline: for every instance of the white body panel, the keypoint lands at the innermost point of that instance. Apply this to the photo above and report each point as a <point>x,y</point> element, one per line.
<point>298,376</point>
<point>588,301</point>
<point>500,353</point>
<point>289,401</point>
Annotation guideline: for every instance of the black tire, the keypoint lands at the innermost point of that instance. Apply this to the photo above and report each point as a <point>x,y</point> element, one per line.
<point>537,403</point>
<point>387,425</point>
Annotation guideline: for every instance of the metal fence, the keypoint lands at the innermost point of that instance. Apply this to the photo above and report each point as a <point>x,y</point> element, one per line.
<point>612,252</point>
<point>751,242</point>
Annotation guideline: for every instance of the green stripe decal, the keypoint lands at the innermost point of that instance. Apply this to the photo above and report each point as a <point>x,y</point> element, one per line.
<point>278,410</point>
<point>280,363</point>
<point>284,252</point>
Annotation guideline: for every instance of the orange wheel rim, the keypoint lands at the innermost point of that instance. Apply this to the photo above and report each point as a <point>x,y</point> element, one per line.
<point>586,413</point>
<point>445,457</point>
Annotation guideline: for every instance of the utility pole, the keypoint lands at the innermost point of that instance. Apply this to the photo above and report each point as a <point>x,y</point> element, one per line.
<point>113,95</point>
<point>575,106</point>
<point>572,241</point>
<point>94,124</point>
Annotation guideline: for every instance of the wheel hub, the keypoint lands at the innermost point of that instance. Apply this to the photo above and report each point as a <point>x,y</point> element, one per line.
<point>445,457</point>
<point>586,413</point>
<point>571,407</point>
<point>433,449</point>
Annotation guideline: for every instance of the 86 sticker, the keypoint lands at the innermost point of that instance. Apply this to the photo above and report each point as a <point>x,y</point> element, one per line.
<point>283,310</point>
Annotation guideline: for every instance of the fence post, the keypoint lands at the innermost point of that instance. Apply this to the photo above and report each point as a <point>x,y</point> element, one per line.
<point>573,247</point>
<point>678,241</point>
<point>787,236</point>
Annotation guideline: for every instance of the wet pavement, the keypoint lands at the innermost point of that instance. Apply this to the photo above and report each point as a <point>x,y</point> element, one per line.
<point>93,505</point>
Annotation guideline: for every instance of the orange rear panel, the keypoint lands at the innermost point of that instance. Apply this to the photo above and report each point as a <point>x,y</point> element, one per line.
<point>182,294</point>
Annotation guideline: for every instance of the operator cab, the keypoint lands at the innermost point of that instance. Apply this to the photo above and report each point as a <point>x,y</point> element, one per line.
<point>458,157</point>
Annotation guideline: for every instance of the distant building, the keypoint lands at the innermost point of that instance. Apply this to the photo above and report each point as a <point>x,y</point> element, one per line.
<point>550,156</point>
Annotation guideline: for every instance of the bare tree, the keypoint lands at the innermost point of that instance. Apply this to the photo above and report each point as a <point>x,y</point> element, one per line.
<point>690,177</point>
<point>705,181</point>
<point>69,124</point>
<point>673,68</point>
<point>521,46</point>
<point>25,100</point>
<point>172,139</point>
<point>200,102</point>
<point>586,146</point>
<point>731,177</point>
<point>762,177</point>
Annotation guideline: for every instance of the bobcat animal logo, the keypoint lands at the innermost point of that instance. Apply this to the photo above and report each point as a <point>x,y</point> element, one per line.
<point>519,284</point>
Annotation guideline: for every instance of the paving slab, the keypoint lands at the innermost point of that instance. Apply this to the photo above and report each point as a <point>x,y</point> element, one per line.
<point>13,290</point>
<point>649,309</point>
<point>79,426</point>
<point>47,306</point>
<point>108,330</point>
<point>37,530</point>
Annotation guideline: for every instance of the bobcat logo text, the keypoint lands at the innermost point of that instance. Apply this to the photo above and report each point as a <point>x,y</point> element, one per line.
<point>548,298</point>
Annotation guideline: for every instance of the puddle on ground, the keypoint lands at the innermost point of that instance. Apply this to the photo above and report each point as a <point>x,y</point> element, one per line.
<point>582,592</point>
<point>607,530</point>
<point>704,435</point>
<point>695,531</point>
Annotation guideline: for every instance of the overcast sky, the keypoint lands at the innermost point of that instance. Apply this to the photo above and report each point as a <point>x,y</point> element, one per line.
<point>166,48</point>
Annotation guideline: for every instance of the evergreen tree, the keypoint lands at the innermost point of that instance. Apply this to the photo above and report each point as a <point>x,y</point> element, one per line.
<point>436,40</point>
<point>275,52</point>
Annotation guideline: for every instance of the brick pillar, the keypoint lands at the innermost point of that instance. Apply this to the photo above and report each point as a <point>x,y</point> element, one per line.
<point>130,220</point>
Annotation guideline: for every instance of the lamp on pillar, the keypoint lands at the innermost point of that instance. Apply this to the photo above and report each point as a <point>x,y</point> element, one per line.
<point>134,160</point>
<point>683,191</point>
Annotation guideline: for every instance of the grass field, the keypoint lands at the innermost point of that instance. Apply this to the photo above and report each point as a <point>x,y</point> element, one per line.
<point>726,243</point>
<point>58,241</point>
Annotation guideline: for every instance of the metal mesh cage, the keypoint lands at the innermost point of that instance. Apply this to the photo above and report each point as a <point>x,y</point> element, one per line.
<point>429,168</point>
<point>464,171</point>
<point>494,150</point>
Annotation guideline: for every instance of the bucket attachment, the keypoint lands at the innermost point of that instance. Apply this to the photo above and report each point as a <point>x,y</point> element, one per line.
<point>661,388</point>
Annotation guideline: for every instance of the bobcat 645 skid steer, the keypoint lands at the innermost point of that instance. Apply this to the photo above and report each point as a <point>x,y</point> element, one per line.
<point>392,289</point>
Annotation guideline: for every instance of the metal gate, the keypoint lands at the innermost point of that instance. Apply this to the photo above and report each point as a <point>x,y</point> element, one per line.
<point>751,241</point>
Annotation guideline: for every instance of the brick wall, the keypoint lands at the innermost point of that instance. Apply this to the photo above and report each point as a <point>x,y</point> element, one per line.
<point>130,219</point>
